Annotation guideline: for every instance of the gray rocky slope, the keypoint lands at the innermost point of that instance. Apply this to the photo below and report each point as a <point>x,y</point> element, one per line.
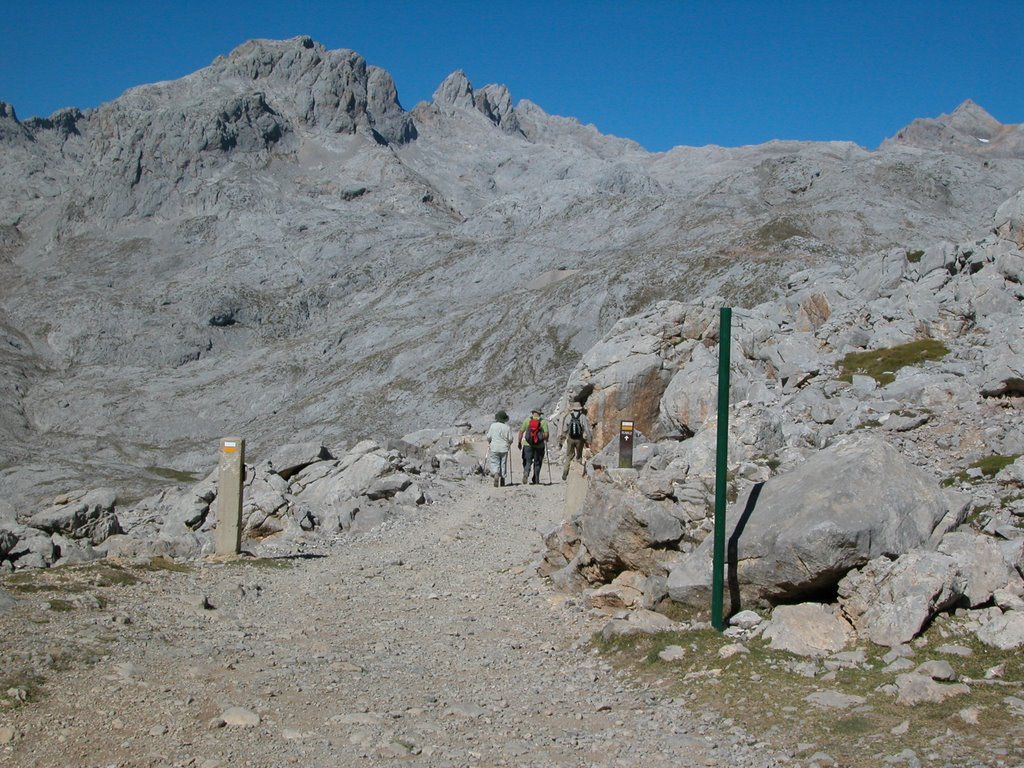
<point>273,247</point>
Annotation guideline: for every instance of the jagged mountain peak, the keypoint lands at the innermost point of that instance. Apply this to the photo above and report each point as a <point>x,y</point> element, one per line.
<point>11,129</point>
<point>968,127</point>
<point>455,91</point>
<point>492,101</point>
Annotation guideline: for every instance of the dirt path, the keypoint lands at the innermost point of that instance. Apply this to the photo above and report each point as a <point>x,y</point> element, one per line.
<point>429,642</point>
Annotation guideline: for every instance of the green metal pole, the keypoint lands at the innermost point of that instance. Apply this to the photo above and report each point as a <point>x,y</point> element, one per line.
<point>721,465</point>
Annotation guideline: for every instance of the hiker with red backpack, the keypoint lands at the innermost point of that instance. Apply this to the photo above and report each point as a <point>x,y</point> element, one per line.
<point>576,434</point>
<point>533,435</point>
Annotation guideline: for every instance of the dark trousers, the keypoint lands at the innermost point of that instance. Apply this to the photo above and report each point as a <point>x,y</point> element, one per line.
<point>533,456</point>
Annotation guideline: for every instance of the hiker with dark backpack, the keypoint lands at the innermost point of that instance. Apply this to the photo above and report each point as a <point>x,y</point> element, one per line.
<point>575,434</point>
<point>533,435</point>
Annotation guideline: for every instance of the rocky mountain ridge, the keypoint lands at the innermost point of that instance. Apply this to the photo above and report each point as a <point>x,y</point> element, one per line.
<point>273,247</point>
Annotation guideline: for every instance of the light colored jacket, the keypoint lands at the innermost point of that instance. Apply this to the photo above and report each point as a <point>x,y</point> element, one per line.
<point>499,436</point>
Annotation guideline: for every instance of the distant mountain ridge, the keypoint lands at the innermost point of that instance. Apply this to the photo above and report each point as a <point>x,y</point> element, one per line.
<point>273,246</point>
<point>968,128</point>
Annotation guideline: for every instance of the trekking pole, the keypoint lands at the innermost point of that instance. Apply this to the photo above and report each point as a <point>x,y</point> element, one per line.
<point>547,455</point>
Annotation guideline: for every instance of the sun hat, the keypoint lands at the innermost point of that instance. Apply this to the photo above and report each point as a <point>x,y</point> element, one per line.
<point>537,411</point>
<point>577,405</point>
<point>501,416</point>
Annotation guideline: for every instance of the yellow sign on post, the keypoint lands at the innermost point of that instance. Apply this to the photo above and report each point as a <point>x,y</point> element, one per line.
<point>230,475</point>
<point>626,445</point>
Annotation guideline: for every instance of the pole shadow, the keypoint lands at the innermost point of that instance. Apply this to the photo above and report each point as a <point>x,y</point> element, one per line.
<point>732,554</point>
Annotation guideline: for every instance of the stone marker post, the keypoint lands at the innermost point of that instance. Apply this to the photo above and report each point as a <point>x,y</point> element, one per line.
<point>626,445</point>
<point>229,496</point>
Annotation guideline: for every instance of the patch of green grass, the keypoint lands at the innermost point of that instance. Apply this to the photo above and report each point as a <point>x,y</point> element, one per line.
<point>260,562</point>
<point>156,564</point>
<point>764,692</point>
<point>106,574</point>
<point>777,231</point>
<point>71,579</point>
<point>914,257</point>
<point>990,466</point>
<point>882,364</point>
<point>855,725</point>
<point>61,605</point>
<point>177,475</point>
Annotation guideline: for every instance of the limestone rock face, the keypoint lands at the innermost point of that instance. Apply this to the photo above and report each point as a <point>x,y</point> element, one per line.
<point>1009,221</point>
<point>334,90</point>
<point>455,91</point>
<point>84,515</point>
<point>274,241</point>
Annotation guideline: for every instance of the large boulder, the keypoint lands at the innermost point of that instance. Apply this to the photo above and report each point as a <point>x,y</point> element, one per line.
<point>808,629</point>
<point>889,601</point>
<point>1005,632</point>
<point>983,568</point>
<point>801,532</point>
<point>624,530</point>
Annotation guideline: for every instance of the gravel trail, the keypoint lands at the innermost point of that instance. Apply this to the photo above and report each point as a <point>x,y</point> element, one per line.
<point>428,642</point>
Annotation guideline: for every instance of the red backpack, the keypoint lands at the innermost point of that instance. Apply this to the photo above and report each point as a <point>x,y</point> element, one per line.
<point>534,433</point>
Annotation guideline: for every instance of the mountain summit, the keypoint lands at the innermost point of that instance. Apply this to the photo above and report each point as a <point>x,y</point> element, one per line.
<point>969,128</point>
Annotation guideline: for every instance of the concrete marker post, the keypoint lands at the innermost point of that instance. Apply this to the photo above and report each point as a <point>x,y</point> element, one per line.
<point>230,475</point>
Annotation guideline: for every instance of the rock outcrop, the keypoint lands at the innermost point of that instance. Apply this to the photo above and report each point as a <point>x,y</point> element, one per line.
<point>865,406</point>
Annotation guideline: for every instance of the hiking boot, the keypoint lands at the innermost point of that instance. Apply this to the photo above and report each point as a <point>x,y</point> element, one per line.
<point>526,476</point>
<point>495,482</point>
<point>565,474</point>
<point>534,481</point>
<point>503,482</point>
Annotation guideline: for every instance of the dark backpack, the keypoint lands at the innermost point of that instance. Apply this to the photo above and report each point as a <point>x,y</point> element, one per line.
<point>575,429</point>
<point>534,434</point>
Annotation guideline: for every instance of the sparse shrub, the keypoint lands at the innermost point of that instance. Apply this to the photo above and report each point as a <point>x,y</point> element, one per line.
<point>19,688</point>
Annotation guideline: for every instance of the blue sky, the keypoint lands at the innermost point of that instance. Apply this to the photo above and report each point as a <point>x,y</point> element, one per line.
<point>661,73</point>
